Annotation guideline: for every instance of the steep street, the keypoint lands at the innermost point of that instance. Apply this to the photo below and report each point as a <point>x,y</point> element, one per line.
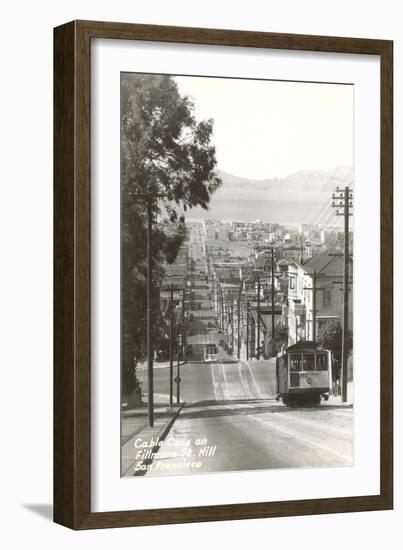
<point>230,419</point>
<point>230,411</point>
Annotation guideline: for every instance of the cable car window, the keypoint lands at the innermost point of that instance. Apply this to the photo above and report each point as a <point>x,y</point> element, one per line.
<point>321,361</point>
<point>295,362</point>
<point>308,361</point>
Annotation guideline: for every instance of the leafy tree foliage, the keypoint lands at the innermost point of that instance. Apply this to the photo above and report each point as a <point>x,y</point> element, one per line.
<point>280,336</point>
<point>331,338</point>
<point>168,165</point>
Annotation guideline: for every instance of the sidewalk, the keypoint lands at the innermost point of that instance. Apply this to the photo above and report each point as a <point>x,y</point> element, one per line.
<point>159,364</point>
<point>336,400</point>
<point>135,419</point>
<point>135,426</point>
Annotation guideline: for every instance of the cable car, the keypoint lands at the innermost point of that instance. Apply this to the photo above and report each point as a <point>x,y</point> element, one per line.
<point>303,374</point>
<point>210,353</point>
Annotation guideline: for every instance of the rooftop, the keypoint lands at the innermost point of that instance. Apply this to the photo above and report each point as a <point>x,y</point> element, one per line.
<point>325,264</point>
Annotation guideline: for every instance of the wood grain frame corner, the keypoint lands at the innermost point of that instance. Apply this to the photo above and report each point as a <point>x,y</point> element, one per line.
<point>72,274</point>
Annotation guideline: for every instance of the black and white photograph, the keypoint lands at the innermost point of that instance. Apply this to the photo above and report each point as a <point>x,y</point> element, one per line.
<point>200,241</point>
<point>236,275</point>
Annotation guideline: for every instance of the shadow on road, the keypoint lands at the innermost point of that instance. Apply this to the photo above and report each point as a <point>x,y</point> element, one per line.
<point>230,407</point>
<point>214,402</point>
<point>141,411</point>
<point>227,408</point>
<point>213,408</point>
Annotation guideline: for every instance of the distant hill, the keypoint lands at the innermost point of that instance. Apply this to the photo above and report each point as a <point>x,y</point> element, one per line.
<point>304,180</point>
<point>297,198</point>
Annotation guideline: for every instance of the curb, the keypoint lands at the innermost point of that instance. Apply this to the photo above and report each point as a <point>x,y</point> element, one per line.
<point>161,436</point>
<point>133,434</point>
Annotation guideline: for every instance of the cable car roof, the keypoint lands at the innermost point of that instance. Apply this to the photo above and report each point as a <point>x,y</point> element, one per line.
<point>304,345</point>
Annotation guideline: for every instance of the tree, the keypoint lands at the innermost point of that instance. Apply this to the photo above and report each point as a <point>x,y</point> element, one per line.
<point>331,338</point>
<point>280,336</point>
<point>168,164</point>
<point>168,155</point>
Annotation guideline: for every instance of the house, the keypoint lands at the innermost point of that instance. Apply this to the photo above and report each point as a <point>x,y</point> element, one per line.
<point>328,272</point>
<point>294,309</point>
<point>329,295</point>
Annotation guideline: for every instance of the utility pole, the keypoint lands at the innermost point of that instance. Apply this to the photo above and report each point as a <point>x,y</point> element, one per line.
<point>149,319</point>
<point>273,292</point>
<point>222,310</point>
<point>345,202</point>
<point>239,322</point>
<point>273,351</point>
<point>247,330</point>
<point>258,319</point>
<point>178,379</point>
<point>171,337</point>
<point>226,307</point>
<point>183,323</point>
<point>232,327</point>
<point>314,307</point>
<point>301,250</point>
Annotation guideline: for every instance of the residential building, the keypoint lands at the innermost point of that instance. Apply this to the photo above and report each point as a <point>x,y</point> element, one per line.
<point>298,312</point>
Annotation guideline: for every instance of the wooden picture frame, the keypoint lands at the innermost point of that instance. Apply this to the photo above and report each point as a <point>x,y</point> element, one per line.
<point>72,271</point>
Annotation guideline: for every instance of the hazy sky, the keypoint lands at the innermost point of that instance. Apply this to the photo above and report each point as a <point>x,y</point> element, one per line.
<point>265,129</point>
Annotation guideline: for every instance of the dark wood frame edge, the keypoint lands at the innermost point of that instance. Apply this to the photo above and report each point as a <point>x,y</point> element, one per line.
<point>72,307</point>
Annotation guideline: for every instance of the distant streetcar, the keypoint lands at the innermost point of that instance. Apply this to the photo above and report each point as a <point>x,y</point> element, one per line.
<point>210,353</point>
<point>303,374</point>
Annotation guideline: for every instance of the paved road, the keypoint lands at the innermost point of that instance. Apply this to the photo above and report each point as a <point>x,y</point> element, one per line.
<point>227,379</point>
<point>254,436</point>
<point>232,422</point>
